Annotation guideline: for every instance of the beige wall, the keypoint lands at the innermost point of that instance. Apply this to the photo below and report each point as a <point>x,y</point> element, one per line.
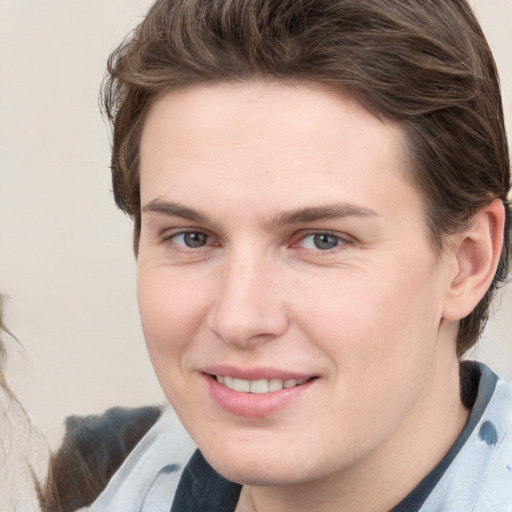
<point>65,259</point>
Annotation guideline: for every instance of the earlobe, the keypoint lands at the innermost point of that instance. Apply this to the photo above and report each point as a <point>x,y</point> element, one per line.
<point>477,253</point>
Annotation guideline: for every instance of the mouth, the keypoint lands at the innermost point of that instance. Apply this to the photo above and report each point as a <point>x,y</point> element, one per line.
<point>256,392</point>
<point>259,386</point>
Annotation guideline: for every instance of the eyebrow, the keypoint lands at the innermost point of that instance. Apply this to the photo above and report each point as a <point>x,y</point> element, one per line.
<point>174,210</point>
<point>295,216</point>
<point>328,212</point>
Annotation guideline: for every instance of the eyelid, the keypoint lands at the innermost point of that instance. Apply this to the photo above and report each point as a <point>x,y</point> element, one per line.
<point>170,235</point>
<point>343,238</point>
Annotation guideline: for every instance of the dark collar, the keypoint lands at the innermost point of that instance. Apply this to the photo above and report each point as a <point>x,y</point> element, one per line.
<point>202,489</point>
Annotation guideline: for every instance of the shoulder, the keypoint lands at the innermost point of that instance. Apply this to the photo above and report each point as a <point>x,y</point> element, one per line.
<point>480,476</point>
<point>148,477</point>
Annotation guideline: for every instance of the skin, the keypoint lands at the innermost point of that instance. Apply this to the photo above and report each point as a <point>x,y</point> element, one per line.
<point>358,300</point>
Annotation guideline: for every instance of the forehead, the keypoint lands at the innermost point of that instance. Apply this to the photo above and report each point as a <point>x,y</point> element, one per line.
<point>305,142</point>
<point>238,112</point>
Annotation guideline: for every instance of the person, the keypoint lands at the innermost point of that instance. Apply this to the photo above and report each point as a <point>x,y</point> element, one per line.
<point>35,479</point>
<point>319,191</point>
<point>24,452</point>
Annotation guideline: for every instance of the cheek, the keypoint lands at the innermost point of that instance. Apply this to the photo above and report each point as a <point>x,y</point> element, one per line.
<point>370,320</point>
<point>377,333</point>
<point>171,309</point>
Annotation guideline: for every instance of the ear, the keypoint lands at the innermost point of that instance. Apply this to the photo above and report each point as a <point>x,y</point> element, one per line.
<point>476,254</point>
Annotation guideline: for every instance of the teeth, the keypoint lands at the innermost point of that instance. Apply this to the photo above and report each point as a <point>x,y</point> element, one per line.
<point>242,385</point>
<point>275,385</point>
<point>260,386</point>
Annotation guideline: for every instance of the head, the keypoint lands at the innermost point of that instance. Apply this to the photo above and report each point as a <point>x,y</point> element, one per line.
<point>427,68</point>
<point>307,179</point>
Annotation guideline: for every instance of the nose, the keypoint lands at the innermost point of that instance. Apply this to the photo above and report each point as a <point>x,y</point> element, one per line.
<point>248,308</point>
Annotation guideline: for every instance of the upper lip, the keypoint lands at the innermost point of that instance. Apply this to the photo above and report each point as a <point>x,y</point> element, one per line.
<point>254,373</point>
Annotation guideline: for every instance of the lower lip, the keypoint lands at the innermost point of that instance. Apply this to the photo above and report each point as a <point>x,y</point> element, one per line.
<point>254,405</point>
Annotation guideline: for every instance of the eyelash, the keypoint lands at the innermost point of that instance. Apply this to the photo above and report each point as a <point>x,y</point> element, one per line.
<point>342,241</point>
<point>171,239</point>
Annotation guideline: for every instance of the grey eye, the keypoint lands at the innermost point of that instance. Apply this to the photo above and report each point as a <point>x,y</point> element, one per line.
<point>191,239</point>
<point>324,241</point>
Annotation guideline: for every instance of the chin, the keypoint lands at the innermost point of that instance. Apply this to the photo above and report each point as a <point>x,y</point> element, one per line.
<point>248,468</point>
<point>247,474</point>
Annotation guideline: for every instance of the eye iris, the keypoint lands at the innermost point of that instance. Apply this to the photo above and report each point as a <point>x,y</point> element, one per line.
<point>325,242</point>
<point>195,239</point>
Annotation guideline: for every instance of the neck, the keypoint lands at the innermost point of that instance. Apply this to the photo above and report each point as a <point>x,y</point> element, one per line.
<point>380,481</point>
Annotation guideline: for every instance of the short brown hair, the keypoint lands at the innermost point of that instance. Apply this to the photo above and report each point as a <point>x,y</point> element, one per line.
<point>425,65</point>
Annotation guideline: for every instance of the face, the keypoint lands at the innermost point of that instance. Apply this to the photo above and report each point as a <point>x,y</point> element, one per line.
<point>290,299</point>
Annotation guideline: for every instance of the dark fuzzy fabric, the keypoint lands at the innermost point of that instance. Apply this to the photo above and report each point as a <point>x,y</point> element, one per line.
<point>94,447</point>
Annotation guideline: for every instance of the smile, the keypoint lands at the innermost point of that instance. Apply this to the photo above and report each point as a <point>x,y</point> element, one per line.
<point>256,392</point>
<point>260,386</point>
